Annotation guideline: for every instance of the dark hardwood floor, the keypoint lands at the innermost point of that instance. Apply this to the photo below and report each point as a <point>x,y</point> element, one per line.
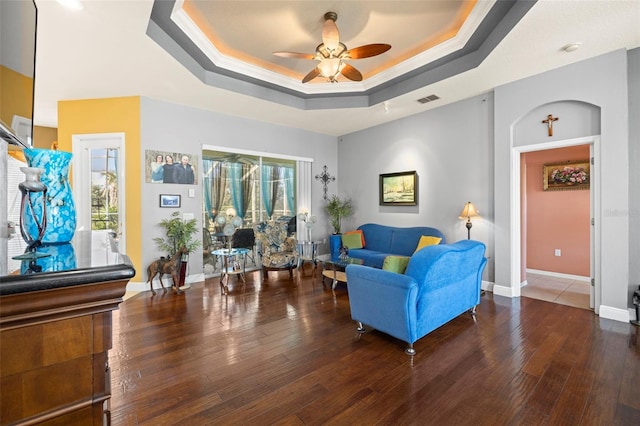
<point>284,352</point>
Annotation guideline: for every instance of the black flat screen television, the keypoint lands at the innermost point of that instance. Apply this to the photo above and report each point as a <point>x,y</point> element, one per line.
<point>18,22</point>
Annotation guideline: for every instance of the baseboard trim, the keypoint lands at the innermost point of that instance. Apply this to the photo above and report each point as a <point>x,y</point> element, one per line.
<point>144,286</point>
<point>559,275</point>
<point>616,314</point>
<point>501,290</point>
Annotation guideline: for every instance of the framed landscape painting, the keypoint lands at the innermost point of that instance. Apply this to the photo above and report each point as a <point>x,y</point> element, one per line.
<point>170,201</point>
<point>566,176</point>
<point>399,189</point>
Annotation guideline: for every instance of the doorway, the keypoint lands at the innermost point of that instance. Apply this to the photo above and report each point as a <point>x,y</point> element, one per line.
<point>99,184</point>
<point>517,258</point>
<point>555,225</point>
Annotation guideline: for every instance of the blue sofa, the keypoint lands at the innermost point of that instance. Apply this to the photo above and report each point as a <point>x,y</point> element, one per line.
<point>382,241</point>
<point>440,283</point>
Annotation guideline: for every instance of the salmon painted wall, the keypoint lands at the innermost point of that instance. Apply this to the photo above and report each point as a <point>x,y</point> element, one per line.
<point>110,116</point>
<point>556,219</point>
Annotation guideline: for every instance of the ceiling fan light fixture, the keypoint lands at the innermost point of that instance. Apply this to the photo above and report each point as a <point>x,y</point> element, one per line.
<point>331,54</point>
<point>330,68</point>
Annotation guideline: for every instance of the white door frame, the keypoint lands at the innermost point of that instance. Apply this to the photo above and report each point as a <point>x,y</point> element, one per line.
<point>81,146</point>
<point>595,251</point>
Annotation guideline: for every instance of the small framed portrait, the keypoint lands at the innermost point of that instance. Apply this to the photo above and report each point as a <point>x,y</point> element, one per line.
<point>169,201</point>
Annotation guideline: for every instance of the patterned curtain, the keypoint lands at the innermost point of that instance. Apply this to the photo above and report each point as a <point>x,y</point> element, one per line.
<point>213,185</point>
<point>289,185</point>
<point>271,176</point>
<point>246,189</point>
<point>235,171</point>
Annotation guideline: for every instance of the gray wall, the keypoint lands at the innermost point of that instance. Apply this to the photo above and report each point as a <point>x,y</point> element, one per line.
<point>170,127</point>
<point>456,148</point>
<point>634,172</point>
<point>451,148</point>
<point>602,82</point>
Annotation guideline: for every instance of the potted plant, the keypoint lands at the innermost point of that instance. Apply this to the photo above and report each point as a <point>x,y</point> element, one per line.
<point>337,209</point>
<point>179,234</point>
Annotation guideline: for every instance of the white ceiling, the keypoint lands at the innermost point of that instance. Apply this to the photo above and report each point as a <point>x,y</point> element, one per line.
<point>104,51</point>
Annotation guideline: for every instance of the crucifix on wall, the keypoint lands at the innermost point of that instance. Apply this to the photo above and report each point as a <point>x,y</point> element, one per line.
<point>549,122</point>
<point>325,178</point>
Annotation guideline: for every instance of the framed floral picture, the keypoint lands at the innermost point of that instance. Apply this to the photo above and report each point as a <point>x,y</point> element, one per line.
<point>399,189</point>
<point>566,176</point>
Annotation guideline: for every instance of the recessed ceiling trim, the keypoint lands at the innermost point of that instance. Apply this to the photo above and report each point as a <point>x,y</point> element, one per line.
<point>183,21</point>
<point>191,30</point>
<point>502,17</point>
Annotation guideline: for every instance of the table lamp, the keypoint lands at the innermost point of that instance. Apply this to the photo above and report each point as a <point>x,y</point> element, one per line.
<point>469,211</point>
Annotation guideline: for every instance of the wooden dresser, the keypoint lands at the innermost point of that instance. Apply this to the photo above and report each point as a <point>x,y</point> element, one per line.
<point>55,333</point>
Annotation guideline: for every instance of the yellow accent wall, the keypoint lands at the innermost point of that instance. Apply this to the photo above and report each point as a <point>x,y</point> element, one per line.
<point>110,116</point>
<point>16,95</point>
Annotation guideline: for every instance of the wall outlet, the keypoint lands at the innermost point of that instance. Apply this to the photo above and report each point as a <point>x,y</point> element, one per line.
<point>558,252</point>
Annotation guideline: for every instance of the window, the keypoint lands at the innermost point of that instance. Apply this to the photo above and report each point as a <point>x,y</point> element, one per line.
<point>252,187</point>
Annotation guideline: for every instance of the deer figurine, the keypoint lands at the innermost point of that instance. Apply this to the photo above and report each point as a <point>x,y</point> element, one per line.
<point>164,266</point>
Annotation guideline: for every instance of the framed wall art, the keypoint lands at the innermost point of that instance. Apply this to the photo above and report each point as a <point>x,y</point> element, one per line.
<point>399,189</point>
<point>566,176</point>
<point>170,167</point>
<point>170,201</point>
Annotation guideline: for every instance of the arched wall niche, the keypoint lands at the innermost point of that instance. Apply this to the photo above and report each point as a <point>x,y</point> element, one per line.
<point>575,119</point>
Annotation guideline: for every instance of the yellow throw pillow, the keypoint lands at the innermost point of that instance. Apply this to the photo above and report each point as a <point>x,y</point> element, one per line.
<point>427,240</point>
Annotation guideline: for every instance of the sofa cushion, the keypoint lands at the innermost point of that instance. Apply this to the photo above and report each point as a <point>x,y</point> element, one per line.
<point>427,240</point>
<point>372,258</point>
<point>397,264</point>
<point>353,241</point>
<point>359,232</point>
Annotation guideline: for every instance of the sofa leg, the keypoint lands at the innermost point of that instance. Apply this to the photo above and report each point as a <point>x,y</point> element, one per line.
<point>472,311</point>
<point>409,350</point>
<point>360,328</point>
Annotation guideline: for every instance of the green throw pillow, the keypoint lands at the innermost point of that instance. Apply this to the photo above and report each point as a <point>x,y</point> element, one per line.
<point>396,264</point>
<point>353,241</point>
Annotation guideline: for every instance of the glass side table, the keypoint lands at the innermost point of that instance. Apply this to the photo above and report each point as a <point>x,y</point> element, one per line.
<point>232,262</point>
<point>307,252</point>
<point>337,266</point>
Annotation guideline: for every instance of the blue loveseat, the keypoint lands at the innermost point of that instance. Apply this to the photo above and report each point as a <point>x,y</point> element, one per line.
<point>381,241</point>
<point>440,283</point>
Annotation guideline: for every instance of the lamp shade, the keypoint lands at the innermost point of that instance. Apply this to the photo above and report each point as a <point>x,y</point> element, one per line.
<point>469,211</point>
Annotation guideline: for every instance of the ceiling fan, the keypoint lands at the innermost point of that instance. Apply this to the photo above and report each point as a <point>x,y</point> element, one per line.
<point>332,54</point>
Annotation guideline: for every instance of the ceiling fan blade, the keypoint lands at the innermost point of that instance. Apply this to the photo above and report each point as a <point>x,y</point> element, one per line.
<point>295,55</point>
<point>368,50</point>
<point>351,73</point>
<point>312,74</point>
<point>330,33</point>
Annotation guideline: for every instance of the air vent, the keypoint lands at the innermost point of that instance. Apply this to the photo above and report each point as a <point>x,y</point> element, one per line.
<point>429,98</point>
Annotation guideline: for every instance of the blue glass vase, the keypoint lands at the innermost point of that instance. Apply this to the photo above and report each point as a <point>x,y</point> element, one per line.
<point>59,257</point>
<point>61,210</point>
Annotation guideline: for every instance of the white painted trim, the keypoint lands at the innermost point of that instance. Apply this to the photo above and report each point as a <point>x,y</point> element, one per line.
<point>81,164</point>
<point>501,290</point>
<point>559,275</point>
<point>515,206</point>
<point>616,314</point>
<point>255,153</point>
<point>486,286</point>
<point>166,279</point>
<point>204,44</point>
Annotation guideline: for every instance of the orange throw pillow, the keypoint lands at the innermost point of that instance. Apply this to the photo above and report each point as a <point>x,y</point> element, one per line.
<point>358,231</point>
